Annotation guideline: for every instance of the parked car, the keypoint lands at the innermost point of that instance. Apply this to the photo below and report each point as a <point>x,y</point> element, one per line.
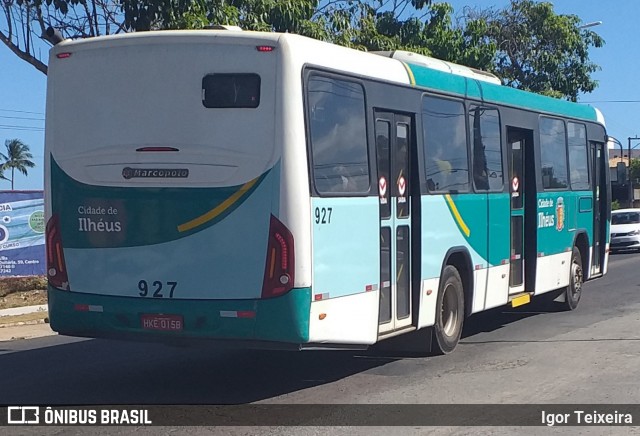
<point>625,229</point>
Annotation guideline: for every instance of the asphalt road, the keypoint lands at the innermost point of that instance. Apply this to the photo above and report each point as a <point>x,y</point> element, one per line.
<point>591,355</point>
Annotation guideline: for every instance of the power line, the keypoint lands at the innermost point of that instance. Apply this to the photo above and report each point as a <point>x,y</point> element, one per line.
<point>10,127</point>
<point>22,118</point>
<point>610,101</point>
<point>22,112</point>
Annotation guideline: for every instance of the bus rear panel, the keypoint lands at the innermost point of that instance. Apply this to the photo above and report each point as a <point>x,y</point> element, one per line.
<point>163,191</point>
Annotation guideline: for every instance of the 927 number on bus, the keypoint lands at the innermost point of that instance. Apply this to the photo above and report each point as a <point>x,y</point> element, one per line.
<point>323,215</point>
<point>157,289</point>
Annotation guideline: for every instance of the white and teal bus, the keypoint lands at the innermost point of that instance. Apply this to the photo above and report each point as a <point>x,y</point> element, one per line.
<point>270,190</point>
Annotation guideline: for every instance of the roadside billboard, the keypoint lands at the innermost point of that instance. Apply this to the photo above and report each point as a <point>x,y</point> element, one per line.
<point>22,251</point>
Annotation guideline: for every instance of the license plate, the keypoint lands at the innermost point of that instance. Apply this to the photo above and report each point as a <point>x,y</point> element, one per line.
<point>171,323</point>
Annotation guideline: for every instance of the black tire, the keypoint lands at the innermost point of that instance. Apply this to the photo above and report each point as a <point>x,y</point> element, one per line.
<point>576,279</point>
<point>449,311</point>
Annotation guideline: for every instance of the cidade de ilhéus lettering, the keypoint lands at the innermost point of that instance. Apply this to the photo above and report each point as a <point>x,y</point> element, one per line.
<point>98,219</point>
<point>546,213</point>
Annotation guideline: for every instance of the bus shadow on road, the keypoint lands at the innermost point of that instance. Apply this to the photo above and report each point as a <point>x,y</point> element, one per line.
<point>494,319</point>
<point>97,371</point>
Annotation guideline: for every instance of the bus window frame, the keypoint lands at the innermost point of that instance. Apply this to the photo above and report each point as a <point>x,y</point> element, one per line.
<point>212,76</point>
<point>423,144</point>
<point>586,148</point>
<point>470,145</point>
<point>307,74</point>
<point>566,153</point>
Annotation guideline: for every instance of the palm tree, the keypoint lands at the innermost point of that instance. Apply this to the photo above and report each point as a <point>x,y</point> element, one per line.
<point>17,158</point>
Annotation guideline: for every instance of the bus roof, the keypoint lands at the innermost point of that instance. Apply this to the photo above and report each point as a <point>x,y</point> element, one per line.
<point>489,92</point>
<point>315,52</point>
<point>299,50</point>
<point>164,37</point>
<point>440,65</point>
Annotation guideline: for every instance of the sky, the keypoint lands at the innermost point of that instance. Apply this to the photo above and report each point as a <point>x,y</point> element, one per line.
<point>23,88</point>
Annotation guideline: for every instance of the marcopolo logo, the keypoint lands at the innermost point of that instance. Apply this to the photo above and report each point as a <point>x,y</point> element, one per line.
<point>155,173</point>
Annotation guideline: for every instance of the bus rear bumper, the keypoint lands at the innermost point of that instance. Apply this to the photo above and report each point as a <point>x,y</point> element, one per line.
<point>281,322</point>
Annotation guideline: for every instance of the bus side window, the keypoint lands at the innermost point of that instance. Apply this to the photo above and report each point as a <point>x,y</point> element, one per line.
<point>578,156</point>
<point>337,124</point>
<point>486,148</point>
<point>553,153</point>
<point>445,144</point>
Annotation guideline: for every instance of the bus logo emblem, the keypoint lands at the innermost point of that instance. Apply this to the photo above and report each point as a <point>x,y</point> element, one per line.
<point>155,173</point>
<point>560,214</point>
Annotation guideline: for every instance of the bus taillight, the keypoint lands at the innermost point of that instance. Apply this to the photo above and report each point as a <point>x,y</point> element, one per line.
<point>278,273</point>
<point>56,268</point>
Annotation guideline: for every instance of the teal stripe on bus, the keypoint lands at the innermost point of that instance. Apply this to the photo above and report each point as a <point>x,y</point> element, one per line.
<point>280,319</point>
<point>489,92</point>
<point>148,215</point>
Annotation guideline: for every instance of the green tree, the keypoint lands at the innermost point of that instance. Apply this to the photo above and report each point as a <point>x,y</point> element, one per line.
<point>274,15</point>
<point>375,27</point>
<point>526,43</point>
<point>23,24</point>
<point>17,158</point>
<point>540,51</point>
<point>261,15</point>
<point>615,205</point>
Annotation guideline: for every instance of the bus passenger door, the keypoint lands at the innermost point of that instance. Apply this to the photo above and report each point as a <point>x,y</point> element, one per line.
<point>600,208</point>
<point>393,143</point>
<point>515,150</point>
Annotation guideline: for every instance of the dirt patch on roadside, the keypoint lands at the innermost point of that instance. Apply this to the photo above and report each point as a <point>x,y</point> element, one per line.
<point>25,298</point>
<point>22,291</point>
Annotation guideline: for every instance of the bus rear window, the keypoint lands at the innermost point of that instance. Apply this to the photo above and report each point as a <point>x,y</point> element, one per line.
<point>231,91</point>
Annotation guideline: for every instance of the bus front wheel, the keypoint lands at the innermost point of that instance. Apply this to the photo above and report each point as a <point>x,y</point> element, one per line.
<point>449,311</point>
<point>576,278</point>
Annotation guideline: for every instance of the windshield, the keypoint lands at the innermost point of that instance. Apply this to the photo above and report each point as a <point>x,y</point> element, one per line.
<point>625,218</point>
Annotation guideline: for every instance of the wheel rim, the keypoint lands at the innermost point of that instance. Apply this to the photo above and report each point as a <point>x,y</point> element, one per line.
<point>449,312</point>
<point>576,276</point>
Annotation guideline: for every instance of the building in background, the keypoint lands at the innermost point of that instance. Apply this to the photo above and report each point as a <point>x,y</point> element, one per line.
<point>618,169</point>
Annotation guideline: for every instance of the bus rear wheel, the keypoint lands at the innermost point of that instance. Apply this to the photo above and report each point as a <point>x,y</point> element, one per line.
<point>449,311</point>
<point>576,278</point>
